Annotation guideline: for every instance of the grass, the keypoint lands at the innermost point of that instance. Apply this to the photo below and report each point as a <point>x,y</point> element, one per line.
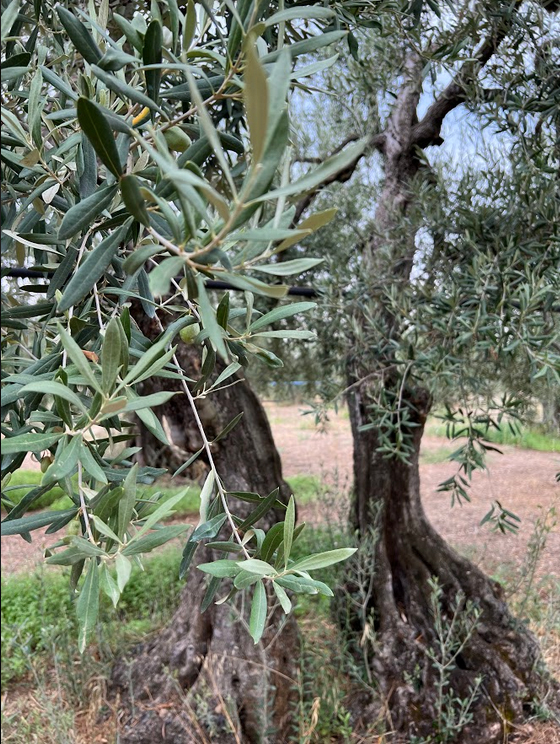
<point>189,504</point>
<point>527,437</point>
<point>37,610</point>
<point>21,481</point>
<point>434,456</point>
<point>305,487</point>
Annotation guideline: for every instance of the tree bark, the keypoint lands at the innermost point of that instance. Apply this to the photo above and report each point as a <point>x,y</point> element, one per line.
<point>202,679</point>
<point>397,620</point>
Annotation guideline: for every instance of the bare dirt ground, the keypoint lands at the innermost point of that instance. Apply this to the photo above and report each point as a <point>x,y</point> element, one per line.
<point>522,480</point>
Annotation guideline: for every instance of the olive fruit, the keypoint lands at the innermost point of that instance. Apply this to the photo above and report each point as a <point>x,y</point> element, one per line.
<point>189,333</point>
<point>177,139</point>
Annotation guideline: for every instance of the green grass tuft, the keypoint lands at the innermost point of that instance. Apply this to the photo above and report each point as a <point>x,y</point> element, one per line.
<point>189,504</point>
<point>531,438</point>
<point>432,457</point>
<point>39,607</point>
<point>305,487</point>
<point>28,479</point>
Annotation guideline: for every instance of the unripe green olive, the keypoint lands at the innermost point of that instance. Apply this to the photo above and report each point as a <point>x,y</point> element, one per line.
<point>177,139</point>
<point>189,333</point>
<point>45,462</point>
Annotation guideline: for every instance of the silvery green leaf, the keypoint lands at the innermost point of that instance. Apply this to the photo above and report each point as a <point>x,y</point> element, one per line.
<point>108,585</point>
<point>124,569</point>
<point>221,569</point>
<point>87,604</point>
<point>48,387</point>
<point>257,619</point>
<point>34,522</point>
<point>321,560</point>
<point>83,214</point>
<point>253,565</point>
<point>30,442</point>
<point>92,269</point>
<point>289,524</point>
<point>159,537</point>
<point>282,597</point>
<point>279,313</point>
<point>208,317</point>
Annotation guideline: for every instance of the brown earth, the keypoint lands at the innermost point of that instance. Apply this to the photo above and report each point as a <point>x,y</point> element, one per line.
<point>522,480</point>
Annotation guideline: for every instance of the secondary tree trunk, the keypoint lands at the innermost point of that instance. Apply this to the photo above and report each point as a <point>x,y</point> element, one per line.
<point>400,609</point>
<point>202,679</point>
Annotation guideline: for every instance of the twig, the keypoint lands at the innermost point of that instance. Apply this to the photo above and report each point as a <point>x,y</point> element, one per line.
<point>208,450</point>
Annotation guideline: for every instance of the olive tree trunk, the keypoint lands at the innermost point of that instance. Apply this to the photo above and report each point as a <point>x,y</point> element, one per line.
<point>201,679</point>
<point>422,660</point>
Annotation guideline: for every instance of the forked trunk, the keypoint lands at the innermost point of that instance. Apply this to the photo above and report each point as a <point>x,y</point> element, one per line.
<point>427,664</point>
<point>202,679</point>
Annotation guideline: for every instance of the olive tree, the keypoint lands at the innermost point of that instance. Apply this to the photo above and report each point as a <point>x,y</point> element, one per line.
<point>453,278</point>
<point>144,157</point>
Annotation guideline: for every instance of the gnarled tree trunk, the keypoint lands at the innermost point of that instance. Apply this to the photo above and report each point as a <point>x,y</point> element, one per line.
<point>202,679</point>
<point>498,663</point>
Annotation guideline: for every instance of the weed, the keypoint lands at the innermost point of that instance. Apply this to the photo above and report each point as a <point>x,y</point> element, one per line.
<point>323,684</point>
<point>40,718</point>
<point>38,613</point>
<point>452,633</point>
<point>524,588</point>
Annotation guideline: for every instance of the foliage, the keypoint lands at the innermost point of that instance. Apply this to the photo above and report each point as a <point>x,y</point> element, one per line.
<point>453,631</point>
<point>141,160</point>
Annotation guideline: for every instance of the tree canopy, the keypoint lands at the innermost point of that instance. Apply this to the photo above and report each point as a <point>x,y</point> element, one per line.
<point>140,159</point>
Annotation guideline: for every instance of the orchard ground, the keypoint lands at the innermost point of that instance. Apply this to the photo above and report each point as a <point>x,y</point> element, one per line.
<point>318,465</point>
<point>319,462</point>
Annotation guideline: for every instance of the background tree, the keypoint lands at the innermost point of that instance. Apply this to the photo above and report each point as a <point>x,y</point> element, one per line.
<point>456,280</point>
